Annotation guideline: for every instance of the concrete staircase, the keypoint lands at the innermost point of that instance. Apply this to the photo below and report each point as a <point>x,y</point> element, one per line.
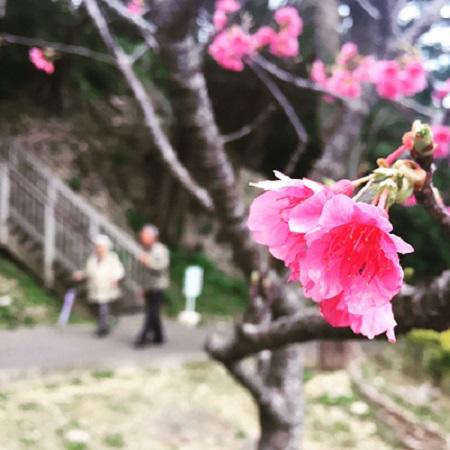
<point>49,228</point>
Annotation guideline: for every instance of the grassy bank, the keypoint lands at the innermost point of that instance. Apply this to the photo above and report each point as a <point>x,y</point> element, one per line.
<point>23,301</point>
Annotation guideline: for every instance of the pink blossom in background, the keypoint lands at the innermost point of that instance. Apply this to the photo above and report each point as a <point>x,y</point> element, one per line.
<point>135,6</point>
<point>263,36</point>
<point>352,258</point>
<point>442,91</point>
<point>289,21</point>
<point>441,135</point>
<point>230,47</point>
<point>284,45</point>
<point>219,20</point>
<point>348,51</point>
<point>319,73</point>
<point>393,81</point>
<point>413,78</point>
<point>386,77</point>
<point>343,83</point>
<point>38,59</point>
<point>363,71</point>
<point>228,6</point>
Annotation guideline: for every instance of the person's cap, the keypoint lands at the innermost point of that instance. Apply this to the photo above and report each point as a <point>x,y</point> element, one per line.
<point>150,228</point>
<point>103,240</point>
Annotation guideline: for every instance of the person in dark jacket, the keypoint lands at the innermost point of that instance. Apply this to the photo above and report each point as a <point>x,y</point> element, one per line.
<point>156,258</point>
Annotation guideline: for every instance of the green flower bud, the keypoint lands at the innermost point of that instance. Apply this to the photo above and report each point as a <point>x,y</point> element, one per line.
<point>422,138</point>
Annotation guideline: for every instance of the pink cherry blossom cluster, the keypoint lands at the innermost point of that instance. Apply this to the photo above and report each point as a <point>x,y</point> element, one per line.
<point>135,6</point>
<point>231,45</point>
<point>342,251</point>
<point>392,79</point>
<point>40,61</point>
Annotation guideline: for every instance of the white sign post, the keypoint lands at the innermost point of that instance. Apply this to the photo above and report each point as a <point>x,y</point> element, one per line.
<point>192,288</point>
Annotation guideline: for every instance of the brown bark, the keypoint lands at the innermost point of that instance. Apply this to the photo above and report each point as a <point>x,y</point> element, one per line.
<point>277,391</point>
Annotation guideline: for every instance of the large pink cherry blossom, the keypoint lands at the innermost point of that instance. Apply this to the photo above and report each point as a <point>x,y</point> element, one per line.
<point>351,258</point>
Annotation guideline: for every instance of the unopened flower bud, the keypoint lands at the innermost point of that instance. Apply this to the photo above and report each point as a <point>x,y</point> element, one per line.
<point>422,138</point>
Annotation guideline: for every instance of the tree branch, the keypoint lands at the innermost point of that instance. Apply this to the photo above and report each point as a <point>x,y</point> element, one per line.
<point>426,195</point>
<point>250,127</point>
<point>147,29</point>
<point>371,11</point>
<point>299,82</point>
<point>415,307</point>
<point>288,110</point>
<point>63,48</point>
<point>162,143</point>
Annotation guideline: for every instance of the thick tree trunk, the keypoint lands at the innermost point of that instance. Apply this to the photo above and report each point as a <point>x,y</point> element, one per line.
<point>280,419</point>
<point>283,431</point>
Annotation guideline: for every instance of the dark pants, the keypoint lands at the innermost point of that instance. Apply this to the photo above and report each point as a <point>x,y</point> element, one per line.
<point>153,328</point>
<point>102,313</point>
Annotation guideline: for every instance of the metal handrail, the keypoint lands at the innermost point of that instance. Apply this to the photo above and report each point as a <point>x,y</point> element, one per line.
<point>64,239</point>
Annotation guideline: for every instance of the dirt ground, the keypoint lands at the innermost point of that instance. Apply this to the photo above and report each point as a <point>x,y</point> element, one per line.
<point>191,407</point>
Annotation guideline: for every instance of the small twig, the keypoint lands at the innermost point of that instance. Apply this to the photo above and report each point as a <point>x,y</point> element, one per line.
<point>250,127</point>
<point>286,106</point>
<point>147,28</point>
<point>140,51</point>
<point>407,104</point>
<point>63,48</point>
<point>299,82</point>
<point>404,104</point>
<point>370,9</point>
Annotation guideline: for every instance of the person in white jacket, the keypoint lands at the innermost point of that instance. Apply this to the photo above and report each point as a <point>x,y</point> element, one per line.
<point>103,272</point>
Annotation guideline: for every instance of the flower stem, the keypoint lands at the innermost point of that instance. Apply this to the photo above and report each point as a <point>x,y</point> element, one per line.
<point>395,154</point>
<point>382,199</point>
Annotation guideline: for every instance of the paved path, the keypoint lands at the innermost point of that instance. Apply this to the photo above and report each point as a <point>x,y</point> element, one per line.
<point>46,348</point>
